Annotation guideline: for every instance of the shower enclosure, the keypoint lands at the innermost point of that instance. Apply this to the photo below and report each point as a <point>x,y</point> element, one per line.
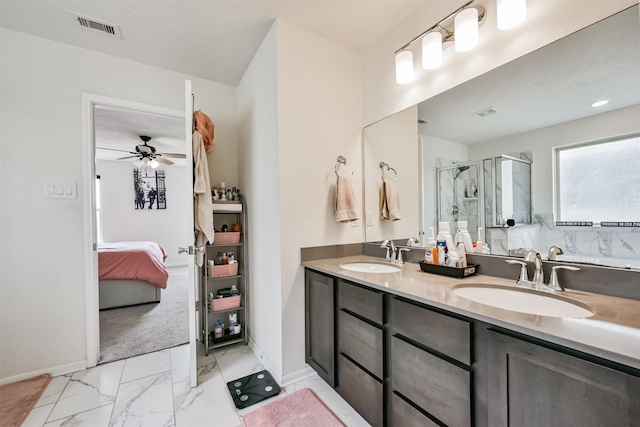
<point>460,187</point>
<point>485,193</point>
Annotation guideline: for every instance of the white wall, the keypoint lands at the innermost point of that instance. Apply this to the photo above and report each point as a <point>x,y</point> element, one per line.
<point>121,221</point>
<point>257,111</point>
<point>319,104</point>
<point>381,143</point>
<point>542,141</point>
<point>42,285</point>
<point>547,21</point>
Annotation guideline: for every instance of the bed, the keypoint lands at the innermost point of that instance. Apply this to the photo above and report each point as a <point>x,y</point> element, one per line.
<point>130,273</point>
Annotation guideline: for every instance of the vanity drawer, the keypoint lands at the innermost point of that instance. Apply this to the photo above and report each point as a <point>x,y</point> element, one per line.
<point>361,391</point>
<point>445,334</point>
<point>440,388</point>
<point>365,302</point>
<point>361,341</point>
<point>404,415</point>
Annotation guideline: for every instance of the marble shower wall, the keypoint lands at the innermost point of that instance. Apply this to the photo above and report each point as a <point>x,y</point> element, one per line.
<point>614,242</point>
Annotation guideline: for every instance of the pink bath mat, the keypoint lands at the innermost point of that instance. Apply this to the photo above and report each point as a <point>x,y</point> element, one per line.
<point>301,409</point>
<point>18,399</point>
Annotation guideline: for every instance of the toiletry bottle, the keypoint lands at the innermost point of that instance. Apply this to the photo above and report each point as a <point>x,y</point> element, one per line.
<point>431,251</point>
<point>225,258</point>
<point>463,236</point>
<point>444,242</point>
<point>479,241</point>
<point>233,317</point>
<point>462,252</point>
<point>234,291</point>
<point>217,329</point>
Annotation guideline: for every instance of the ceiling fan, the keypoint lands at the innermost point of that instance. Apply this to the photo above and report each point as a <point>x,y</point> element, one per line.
<point>147,155</point>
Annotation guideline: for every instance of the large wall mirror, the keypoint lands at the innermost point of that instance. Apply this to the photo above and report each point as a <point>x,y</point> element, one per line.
<point>486,151</point>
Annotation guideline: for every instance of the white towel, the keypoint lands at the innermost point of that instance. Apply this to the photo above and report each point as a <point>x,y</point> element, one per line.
<point>389,201</point>
<point>202,204</point>
<point>345,200</point>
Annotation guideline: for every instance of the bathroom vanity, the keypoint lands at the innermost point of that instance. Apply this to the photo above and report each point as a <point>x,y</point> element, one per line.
<point>404,349</point>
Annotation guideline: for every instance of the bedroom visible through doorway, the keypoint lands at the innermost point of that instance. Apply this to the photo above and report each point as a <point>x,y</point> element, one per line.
<point>142,280</point>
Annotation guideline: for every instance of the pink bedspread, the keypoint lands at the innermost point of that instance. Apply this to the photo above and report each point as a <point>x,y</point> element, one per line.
<point>133,260</point>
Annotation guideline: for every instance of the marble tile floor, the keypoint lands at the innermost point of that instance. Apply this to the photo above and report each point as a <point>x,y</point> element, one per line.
<point>153,390</point>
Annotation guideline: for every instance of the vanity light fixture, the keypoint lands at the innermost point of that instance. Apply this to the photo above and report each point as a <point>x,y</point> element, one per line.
<point>600,103</point>
<point>459,28</point>
<point>511,13</point>
<point>404,67</point>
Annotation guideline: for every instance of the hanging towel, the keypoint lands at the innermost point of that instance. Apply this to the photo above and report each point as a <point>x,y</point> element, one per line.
<point>345,200</point>
<point>205,127</point>
<point>202,203</point>
<point>389,201</point>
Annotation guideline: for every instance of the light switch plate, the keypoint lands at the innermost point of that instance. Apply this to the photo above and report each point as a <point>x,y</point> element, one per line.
<point>59,190</point>
<point>369,218</point>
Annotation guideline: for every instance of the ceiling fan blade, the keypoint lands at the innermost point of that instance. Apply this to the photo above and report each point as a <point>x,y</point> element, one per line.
<point>114,149</point>
<point>165,161</point>
<point>128,157</point>
<point>172,155</point>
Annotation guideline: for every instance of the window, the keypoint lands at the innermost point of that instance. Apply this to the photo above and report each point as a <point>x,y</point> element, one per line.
<point>98,209</point>
<point>599,181</point>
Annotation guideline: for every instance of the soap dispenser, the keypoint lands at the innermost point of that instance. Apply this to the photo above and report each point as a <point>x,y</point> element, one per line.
<point>431,251</point>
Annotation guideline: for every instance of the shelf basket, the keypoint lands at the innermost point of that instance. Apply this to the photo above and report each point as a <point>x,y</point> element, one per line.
<point>223,270</point>
<point>228,238</point>
<point>226,303</point>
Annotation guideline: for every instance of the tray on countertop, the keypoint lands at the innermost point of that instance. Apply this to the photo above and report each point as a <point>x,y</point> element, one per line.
<point>444,270</point>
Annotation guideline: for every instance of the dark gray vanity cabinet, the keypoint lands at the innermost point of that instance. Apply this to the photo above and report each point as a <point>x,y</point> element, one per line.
<point>361,350</point>
<point>320,335</point>
<point>430,364</point>
<point>532,385</point>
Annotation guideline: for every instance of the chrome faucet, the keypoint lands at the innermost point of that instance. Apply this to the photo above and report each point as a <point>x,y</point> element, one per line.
<point>553,251</point>
<point>399,259</point>
<point>538,275</point>
<point>391,250</point>
<point>412,241</point>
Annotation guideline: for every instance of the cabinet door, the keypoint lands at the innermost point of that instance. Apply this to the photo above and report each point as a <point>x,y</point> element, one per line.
<point>319,325</point>
<point>361,391</point>
<point>531,385</point>
<point>362,342</point>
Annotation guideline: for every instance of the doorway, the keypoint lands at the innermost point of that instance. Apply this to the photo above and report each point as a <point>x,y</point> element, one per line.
<point>93,107</point>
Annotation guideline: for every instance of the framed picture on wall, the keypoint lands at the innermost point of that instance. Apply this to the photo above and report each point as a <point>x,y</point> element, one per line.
<point>150,191</point>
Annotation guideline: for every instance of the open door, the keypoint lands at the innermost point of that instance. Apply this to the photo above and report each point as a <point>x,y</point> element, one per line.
<point>189,234</point>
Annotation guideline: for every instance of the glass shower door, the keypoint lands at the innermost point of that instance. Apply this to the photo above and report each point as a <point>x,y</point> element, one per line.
<point>459,190</point>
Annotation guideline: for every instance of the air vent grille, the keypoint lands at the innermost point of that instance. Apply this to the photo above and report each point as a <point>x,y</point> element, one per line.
<point>92,24</point>
<point>486,112</point>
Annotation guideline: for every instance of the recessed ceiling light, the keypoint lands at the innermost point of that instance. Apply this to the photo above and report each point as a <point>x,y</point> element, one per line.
<point>600,103</point>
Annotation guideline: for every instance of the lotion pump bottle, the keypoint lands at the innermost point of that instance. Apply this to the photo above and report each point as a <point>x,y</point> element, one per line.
<point>479,243</point>
<point>463,236</point>
<point>444,242</point>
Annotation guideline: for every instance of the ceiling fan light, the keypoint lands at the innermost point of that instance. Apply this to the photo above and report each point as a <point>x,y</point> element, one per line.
<point>511,13</point>
<point>404,67</point>
<point>432,50</point>
<point>137,163</point>
<point>466,29</point>
<point>154,164</point>
<point>145,162</point>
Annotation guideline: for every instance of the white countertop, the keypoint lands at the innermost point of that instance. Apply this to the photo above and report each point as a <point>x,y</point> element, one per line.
<point>612,333</point>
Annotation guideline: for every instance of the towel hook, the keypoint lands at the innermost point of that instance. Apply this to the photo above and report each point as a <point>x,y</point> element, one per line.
<point>340,160</point>
<point>389,168</point>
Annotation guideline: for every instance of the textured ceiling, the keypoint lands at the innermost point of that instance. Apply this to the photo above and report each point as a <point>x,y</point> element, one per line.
<point>552,85</point>
<point>117,132</point>
<point>211,39</point>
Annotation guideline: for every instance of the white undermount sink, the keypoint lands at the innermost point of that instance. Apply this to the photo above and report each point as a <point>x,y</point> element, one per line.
<point>370,267</point>
<point>523,300</point>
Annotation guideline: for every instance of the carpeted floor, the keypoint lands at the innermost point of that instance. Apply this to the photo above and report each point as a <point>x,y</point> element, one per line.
<point>141,329</point>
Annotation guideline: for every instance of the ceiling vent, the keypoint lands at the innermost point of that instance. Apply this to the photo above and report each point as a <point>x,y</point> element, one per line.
<point>96,25</point>
<point>486,112</point>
